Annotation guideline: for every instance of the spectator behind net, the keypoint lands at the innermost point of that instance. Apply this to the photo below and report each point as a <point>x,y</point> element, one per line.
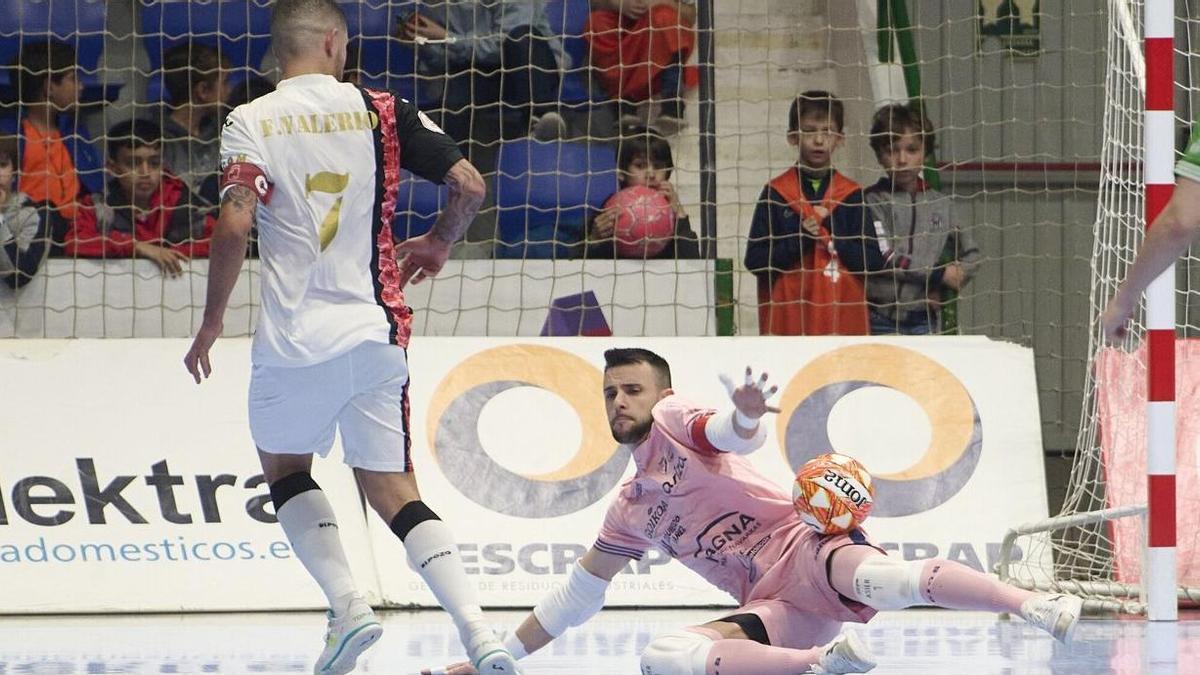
<point>493,64</point>
<point>643,158</point>
<point>638,51</point>
<point>149,213</point>
<point>197,82</point>
<point>48,87</point>
<point>24,234</point>
<point>808,244</point>
<point>915,226</point>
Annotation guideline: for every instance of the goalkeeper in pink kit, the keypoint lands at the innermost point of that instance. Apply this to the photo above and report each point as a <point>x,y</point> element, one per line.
<point>695,497</point>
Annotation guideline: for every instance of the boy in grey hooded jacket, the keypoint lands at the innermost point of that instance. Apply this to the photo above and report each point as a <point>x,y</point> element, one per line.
<point>24,236</point>
<point>914,225</point>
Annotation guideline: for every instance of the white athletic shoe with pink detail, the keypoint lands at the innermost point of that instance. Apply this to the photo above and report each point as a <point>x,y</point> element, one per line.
<point>1056,614</point>
<point>845,654</point>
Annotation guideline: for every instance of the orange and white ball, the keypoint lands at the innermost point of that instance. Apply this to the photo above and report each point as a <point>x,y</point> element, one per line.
<point>833,493</point>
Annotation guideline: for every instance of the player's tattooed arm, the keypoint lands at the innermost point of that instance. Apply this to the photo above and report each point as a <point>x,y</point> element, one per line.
<point>226,253</point>
<point>467,191</point>
<point>240,200</point>
<point>228,249</point>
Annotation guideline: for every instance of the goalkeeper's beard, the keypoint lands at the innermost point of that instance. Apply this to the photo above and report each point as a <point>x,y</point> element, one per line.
<point>634,434</point>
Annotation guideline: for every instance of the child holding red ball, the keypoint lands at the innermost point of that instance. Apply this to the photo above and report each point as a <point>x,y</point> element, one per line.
<point>643,160</point>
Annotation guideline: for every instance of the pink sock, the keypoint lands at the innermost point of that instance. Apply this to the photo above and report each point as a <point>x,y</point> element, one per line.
<point>747,657</point>
<point>952,585</point>
<point>943,583</point>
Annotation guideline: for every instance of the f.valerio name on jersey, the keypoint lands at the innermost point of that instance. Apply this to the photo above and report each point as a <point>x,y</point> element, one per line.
<point>319,123</point>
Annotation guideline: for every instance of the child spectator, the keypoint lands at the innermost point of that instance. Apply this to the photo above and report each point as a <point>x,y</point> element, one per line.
<point>197,84</point>
<point>48,88</point>
<point>914,224</point>
<point>638,48</point>
<point>808,245</point>
<point>149,213</point>
<point>24,234</point>
<point>493,65</point>
<point>643,158</point>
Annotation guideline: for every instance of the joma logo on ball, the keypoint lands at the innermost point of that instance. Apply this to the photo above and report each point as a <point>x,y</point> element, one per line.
<point>843,485</point>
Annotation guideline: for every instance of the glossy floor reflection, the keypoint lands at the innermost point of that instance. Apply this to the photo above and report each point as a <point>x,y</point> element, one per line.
<point>915,641</point>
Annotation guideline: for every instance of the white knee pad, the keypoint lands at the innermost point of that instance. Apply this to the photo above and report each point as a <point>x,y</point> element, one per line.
<point>676,653</point>
<point>882,582</point>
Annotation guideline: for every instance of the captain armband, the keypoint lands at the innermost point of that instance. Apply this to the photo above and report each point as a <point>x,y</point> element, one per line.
<point>249,176</point>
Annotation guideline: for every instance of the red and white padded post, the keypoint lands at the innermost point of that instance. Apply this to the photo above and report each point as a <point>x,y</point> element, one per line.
<point>1158,577</point>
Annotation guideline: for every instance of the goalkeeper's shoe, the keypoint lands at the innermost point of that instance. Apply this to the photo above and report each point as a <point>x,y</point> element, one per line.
<point>348,636</point>
<point>845,654</point>
<point>1056,614</point>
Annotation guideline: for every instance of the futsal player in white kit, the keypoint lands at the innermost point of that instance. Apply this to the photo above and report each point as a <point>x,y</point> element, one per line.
<point>698,500</point>
<point>316,163</point>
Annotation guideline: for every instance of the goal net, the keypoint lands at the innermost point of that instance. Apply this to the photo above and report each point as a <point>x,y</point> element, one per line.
<point>1098,541</point>
<point>1016,137</point>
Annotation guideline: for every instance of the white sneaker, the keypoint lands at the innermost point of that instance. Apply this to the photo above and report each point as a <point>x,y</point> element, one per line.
<point>1056,614</point>
<point>668,125</point>
<point>548,127</point>
<point>845,654</point>
<point>640,115</point>
<point>489,656</point>
<point>349,635</point>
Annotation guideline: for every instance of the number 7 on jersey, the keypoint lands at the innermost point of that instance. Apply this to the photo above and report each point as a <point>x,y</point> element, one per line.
<point>328,183</point>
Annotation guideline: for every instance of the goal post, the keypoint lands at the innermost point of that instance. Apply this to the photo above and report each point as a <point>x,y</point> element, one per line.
<point>1160,572</point>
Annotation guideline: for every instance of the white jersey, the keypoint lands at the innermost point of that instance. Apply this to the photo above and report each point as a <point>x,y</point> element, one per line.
<point>331,154</point>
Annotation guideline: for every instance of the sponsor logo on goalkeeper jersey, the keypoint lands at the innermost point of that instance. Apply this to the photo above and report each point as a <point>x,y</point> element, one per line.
<point>655,513</point>
<point>677,471</point>
<point>99,497</point>
<point>726,531</point>
<point>670,538</point>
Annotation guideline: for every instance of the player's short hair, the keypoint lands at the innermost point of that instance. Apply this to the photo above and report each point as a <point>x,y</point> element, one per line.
<point>895,119</point>
<point>645,144</point>
<point>43,61</point>
<point>294,22</point>
<point>131,135</point>
<point>353,59</point>
<point>629,356</point>
<point>189,64</point>
<point>248,90</point>
<point>816,102</point>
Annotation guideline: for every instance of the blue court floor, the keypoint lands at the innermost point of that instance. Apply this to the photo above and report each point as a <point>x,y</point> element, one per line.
<point>914,641</point>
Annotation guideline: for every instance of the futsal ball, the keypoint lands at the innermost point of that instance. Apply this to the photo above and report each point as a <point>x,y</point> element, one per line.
<point>645,221</point>
<point>833,493</point>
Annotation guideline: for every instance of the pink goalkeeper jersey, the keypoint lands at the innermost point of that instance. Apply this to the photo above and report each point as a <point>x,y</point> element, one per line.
<point>708,509</point>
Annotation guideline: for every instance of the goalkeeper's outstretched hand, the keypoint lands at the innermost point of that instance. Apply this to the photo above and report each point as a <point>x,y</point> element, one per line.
<point>750,399</point>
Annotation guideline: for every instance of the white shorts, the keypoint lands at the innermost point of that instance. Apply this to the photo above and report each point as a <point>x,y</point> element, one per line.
<point>364,393</point>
